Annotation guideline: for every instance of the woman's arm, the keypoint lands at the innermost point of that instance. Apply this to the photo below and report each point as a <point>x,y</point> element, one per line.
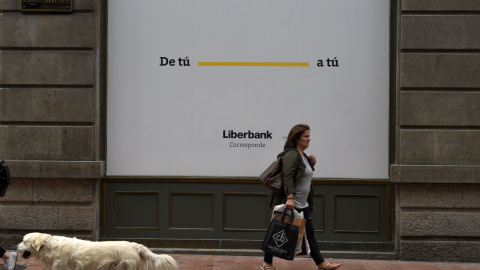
<point>289,168</point>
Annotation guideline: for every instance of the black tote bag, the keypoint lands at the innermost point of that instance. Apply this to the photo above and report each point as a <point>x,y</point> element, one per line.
<point>281,238</point>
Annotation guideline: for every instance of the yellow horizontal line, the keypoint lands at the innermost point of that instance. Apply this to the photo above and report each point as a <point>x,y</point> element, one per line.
<point>253,64</point>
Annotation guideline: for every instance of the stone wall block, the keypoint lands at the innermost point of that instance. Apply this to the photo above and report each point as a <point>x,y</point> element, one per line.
<point>439,32</point>
<point>447,251</point>
<point>28,218</point>
<point>76,218</point>
<point>47,31</point>
<point>62,190</point>
<point>17,105</point>
<point>471,198</point>
<point>440,224</point>
<point>47,105</point>
<point>57,169</point>
<point>410,223</point>
<point>440,5</point>
<point>472,39</point>
<point>437,174</point>
<point>416,147</point>
<point>77,143</point>
<point>431,196</point>
<point>19,190</point>
<point>78,5</point>
<point>47,68</point>
<point>46,143</point>
<point>439,108</point>
<point>442,147</point>
<point>442,196</point>
<point>440,70</point>
<point>457,147</point>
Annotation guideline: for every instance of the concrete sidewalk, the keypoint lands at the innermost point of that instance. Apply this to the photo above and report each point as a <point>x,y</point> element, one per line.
<point>218,262</point>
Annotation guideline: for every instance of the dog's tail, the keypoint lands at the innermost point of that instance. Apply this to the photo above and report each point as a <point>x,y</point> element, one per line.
<point>156,262</point>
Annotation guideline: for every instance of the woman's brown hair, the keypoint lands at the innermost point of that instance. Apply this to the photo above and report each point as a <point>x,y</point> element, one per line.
<point>294,135</point>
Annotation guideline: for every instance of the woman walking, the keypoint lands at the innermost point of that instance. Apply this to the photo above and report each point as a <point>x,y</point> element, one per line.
<point>297,170</point>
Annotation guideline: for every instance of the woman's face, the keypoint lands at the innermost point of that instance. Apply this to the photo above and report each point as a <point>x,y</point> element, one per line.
<point>304,140</point>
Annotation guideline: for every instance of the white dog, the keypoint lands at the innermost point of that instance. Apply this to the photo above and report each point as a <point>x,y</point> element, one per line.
<point>64,253</point>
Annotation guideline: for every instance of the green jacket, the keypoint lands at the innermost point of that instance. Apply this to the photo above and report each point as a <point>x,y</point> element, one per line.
<point>293,169</point>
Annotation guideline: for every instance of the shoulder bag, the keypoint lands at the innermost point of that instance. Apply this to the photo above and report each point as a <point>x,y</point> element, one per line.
<point>272,177</point>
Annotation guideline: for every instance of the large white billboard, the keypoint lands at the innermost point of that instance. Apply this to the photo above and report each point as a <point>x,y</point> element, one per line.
<point>212,87</point>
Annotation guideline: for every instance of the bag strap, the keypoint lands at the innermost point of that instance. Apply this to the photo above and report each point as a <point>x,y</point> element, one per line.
<point>292,215</point>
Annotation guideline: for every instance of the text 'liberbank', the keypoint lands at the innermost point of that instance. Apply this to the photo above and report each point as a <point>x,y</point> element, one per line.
<point>230,134</point>
<point>246,135</point>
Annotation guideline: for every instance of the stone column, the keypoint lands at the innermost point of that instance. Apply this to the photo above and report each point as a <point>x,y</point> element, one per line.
<point>50,128</point>
<point>438,130</point>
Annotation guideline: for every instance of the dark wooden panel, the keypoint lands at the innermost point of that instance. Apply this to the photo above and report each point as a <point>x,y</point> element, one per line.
<point>237,211</point>
<point>129,215</point>
<point>194,211</point>
<point>318,214</point>
<point>245,211</point>
<point>356,213</point>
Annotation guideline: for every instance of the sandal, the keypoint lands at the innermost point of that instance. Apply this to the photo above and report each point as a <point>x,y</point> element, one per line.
<point>333,267</point>
<point>268,267</point>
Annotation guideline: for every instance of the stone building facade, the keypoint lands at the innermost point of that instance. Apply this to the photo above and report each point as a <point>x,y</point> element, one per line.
<point>437,117</point>
<point>50,120</point>
<point>52,106</point>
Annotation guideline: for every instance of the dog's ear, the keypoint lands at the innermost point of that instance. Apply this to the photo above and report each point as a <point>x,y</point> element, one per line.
<point>36,243</point>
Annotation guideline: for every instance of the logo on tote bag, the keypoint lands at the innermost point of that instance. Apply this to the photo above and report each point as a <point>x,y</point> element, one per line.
<point>280,238</point>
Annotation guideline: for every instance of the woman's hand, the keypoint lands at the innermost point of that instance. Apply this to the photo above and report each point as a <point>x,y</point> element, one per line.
<point>290,204</point>
<point>312,159</point>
